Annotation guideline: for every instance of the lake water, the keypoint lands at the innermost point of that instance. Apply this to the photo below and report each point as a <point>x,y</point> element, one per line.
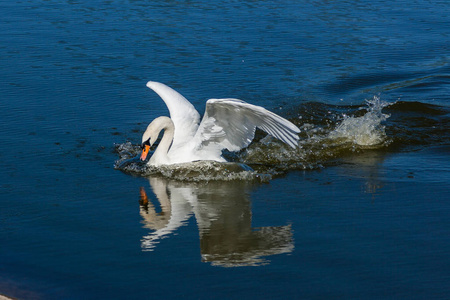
<point>360,211</point>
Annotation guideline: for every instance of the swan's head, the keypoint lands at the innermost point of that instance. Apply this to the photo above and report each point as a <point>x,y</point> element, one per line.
<point>148,140</point>
<point>151,134</point>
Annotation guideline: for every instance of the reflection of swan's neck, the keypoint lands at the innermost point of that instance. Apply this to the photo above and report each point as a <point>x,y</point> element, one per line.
<point>160,154</point>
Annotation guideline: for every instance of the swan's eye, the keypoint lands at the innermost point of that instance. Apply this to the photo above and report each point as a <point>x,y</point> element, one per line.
<point>145,143</point>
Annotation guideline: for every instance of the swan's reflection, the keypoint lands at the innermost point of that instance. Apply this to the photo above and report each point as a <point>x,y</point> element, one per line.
<point>223,214</point>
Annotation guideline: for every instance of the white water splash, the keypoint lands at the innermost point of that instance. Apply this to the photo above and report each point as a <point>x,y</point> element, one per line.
<point>367,130</point>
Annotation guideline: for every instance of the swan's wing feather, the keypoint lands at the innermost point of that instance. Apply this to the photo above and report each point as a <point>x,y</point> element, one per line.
<point>230,124</point>
<point>183,114</point>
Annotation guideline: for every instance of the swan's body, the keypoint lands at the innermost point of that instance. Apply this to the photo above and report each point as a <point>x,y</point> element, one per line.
<point>227,124</point>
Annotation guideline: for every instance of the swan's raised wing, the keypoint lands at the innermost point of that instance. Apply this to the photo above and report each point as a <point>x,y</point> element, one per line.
<point>183,114</point>
<point>231,123</point>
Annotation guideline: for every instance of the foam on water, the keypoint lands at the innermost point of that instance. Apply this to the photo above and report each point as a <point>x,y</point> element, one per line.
<point>269,157</point>
<point>129,162</point>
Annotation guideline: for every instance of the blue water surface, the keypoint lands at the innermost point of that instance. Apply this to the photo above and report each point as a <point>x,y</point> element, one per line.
<point>360,224</point>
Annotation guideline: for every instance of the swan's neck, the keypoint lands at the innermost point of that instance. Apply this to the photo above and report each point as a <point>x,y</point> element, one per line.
<point>160,155</point>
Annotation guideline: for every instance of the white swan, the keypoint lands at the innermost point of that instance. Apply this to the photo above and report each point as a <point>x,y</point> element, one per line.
<point>227,124</point>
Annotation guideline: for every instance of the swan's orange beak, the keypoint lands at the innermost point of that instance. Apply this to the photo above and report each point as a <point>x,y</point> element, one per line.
<point>145,152</point>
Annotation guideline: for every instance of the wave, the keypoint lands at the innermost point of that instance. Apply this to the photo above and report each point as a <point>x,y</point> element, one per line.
<point>329,133</point>
<point>415,125</point>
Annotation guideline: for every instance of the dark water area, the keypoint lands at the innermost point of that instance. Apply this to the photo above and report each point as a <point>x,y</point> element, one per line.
<point>359,211</point>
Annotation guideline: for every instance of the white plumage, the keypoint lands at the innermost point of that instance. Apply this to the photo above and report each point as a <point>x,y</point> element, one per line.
<point>227,124</point>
